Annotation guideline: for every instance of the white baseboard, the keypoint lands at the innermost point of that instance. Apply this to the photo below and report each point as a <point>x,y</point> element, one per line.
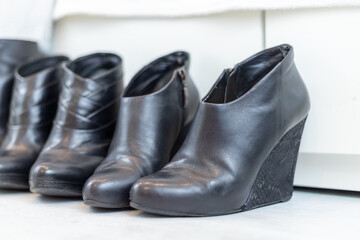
<point>329,171</point>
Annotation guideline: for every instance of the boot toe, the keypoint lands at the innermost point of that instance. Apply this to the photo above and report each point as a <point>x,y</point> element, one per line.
<point>109,190</point>
<point>48,179</point>
<point>54,176</point>
<point>168,193</point>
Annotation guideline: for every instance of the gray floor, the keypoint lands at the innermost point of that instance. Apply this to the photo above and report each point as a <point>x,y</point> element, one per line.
<point>311,214</point>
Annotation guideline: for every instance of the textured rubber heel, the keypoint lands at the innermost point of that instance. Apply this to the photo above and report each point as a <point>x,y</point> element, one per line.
<point>275,180</point>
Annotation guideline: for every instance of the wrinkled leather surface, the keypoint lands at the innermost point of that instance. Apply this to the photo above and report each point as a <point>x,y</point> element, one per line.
<point>155,111</point>
<point>235,128</point>
<point>12,52</point>
<point>33,107</point>
<point>85,121</point>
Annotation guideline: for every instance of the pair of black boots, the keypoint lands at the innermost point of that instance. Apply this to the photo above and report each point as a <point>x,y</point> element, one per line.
<point>233,151</point>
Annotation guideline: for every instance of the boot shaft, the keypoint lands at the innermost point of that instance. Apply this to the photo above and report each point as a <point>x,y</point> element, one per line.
<point>12,52</point>
<point>90,93</point>
<point>36,91</point>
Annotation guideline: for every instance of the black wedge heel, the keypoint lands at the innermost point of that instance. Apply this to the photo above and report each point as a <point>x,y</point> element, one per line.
<point>239,153</point>
<point>274,182</point>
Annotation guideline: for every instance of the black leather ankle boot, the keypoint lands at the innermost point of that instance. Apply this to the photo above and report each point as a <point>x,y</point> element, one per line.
<point>32,111</point>
<point>83,127</point>
<point>155,112</point>
<point>241,150</point>
<point>12,52</point>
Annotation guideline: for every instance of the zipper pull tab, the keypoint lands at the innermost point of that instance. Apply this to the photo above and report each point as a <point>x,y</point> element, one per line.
<point>182,75</point>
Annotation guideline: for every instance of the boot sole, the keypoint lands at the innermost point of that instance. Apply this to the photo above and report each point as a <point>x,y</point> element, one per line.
<point>57,189</point>
<point>98,204</point>
<point>273,183</point>
<point>14,181</point>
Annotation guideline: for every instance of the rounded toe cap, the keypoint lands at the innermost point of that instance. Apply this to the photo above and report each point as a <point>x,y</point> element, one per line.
<point>109,190</point>
<point>64,167</point>
<point>41,172</point>
<point>167,193</point>
<point>52,172</point>
<point>59,174</point>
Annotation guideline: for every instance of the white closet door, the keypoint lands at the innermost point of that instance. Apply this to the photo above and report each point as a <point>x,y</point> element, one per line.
<point>215,42</point>
<point>327,50</point>
<point>27,20</point>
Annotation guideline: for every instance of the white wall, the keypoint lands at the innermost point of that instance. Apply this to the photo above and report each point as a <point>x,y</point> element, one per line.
<point>327,51</point>
<point>215,42</point>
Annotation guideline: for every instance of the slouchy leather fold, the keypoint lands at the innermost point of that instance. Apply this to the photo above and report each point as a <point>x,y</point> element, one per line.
<point>84,125</point>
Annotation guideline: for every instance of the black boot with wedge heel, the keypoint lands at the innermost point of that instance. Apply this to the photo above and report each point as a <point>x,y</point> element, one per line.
<point>241,149</point>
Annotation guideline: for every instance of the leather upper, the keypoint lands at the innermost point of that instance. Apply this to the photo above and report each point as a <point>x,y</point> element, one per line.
<point>33,107</point>
<point>155,111</point>
<point>85,120</point>
<point>236,126</point>
<point>12,52</point>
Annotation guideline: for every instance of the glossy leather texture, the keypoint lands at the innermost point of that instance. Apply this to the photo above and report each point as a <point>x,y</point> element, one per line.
<point>237,125</point>
<point>12,52</point>
<point>155,111</point>
<point>33,108</point>
<point>83,127</point>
